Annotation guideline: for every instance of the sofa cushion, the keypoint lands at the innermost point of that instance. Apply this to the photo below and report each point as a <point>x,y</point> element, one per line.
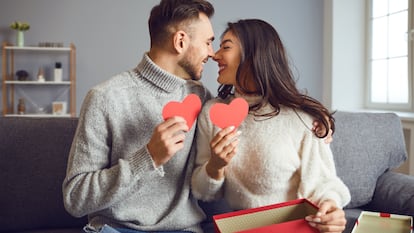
<point>33,158</point>
<point>365,145</point>
<point>394,193</point>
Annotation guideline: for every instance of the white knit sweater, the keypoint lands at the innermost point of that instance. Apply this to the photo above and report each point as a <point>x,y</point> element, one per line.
<point>278,159</point>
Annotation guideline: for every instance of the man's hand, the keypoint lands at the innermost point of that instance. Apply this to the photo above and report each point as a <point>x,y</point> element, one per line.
<point>329,218</point>
<point>167,138</point>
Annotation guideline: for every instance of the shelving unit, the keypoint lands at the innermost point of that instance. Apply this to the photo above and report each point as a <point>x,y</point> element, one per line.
<point>10,84</point>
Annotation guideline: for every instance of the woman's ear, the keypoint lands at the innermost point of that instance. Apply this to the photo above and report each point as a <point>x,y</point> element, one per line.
<point>180,41</point>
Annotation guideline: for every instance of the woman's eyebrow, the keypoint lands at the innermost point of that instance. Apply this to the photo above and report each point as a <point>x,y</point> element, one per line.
<point>225,41</point>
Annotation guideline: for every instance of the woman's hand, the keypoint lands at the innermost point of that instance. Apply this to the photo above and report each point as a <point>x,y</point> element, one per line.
<point>329,218</point>
<point>223,148</point>
<point>319,129</point>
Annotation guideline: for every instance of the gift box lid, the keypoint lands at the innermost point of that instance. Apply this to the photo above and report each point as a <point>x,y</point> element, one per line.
<point>282,217</point>
<point>369,221</point>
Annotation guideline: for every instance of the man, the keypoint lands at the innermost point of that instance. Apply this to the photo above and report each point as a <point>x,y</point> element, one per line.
<point>129,169</point>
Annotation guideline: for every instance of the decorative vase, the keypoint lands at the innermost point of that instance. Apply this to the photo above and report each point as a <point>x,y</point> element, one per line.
<point>20,38</point>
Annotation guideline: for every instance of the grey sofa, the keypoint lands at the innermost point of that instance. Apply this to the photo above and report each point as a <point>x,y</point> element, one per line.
<point>33,157</point>
<point>366,147</point>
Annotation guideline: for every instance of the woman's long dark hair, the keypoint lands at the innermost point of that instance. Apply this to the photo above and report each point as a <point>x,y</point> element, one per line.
<point>264,62</point>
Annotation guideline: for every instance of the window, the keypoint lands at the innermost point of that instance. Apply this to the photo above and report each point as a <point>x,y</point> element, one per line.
<point>389,55</point>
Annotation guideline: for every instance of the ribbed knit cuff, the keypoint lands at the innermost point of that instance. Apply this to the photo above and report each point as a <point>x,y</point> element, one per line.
<point>213,183</point>
<point>142,163</point>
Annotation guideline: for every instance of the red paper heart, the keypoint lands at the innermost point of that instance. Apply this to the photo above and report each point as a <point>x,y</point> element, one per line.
<point>233,114</point>
<point>188,109</point>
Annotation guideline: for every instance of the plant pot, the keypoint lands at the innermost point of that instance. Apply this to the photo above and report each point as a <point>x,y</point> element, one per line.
<point>20,39</point>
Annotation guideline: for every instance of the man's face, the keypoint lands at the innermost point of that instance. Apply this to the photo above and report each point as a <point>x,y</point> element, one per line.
<point>200,48</point>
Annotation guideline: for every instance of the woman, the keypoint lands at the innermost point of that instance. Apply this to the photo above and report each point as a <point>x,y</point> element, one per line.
<point>274,156</point>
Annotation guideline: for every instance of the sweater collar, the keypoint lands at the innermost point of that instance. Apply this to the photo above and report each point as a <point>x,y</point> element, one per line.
<point>159,77</point>
<point>251,99</point>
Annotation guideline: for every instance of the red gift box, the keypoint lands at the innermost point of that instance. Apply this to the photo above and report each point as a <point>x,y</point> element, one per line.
<point>282,217</point>
<point>369,221</point>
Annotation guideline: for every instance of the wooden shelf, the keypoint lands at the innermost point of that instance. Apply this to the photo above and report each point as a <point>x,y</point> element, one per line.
<point>32,48</point>
<point>38,83</point>
<point>9,52</point>
<point>37,115</point>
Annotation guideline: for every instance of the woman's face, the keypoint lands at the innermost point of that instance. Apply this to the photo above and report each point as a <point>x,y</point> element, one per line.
<point>228,59</point>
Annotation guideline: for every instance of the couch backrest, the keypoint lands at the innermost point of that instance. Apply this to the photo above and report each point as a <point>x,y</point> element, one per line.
<point>33,158</point>
<point>365,145</point>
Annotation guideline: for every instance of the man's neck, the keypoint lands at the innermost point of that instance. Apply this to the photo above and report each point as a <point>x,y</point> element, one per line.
<point>167,61</point>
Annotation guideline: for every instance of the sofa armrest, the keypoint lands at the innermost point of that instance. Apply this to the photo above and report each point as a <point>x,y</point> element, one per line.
<point>394,193</point>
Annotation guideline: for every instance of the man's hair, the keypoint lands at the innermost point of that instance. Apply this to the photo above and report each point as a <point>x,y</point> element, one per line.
<point>175,13</point>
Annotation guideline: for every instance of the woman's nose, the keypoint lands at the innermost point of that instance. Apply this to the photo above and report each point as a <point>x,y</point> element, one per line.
<point>216,56</point>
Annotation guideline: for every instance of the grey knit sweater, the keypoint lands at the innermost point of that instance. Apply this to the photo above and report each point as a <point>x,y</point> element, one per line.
<point>110,174</point>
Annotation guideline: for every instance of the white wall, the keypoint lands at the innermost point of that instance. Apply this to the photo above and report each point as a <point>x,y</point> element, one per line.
<point>111,36</point>
<point>344,54</point>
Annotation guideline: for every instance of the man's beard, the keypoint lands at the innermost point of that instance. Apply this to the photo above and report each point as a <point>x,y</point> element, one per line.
<point>188,67</point>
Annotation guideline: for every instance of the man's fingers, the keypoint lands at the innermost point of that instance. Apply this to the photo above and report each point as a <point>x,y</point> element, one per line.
<point>176,121</point>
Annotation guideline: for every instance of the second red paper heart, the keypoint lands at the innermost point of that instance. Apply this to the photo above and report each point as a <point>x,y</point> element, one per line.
<point>233,114</point>
<point>188,109</point>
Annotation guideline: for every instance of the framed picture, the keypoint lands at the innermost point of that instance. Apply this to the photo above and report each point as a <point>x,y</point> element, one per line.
<point>59,108</point>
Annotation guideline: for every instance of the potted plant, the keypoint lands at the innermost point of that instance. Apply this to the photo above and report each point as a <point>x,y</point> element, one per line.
<point>20,27</point>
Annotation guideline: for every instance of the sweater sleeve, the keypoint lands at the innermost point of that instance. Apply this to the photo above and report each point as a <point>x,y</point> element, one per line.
<point>90,177</point>
<point>319,181</point>
<point>204,187</point>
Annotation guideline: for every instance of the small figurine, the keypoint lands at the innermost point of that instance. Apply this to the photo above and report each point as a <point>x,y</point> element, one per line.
<point>40,75</point>
<point>21,107</point>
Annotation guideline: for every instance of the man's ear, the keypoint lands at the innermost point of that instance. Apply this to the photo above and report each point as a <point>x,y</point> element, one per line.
<point>180,41</point>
